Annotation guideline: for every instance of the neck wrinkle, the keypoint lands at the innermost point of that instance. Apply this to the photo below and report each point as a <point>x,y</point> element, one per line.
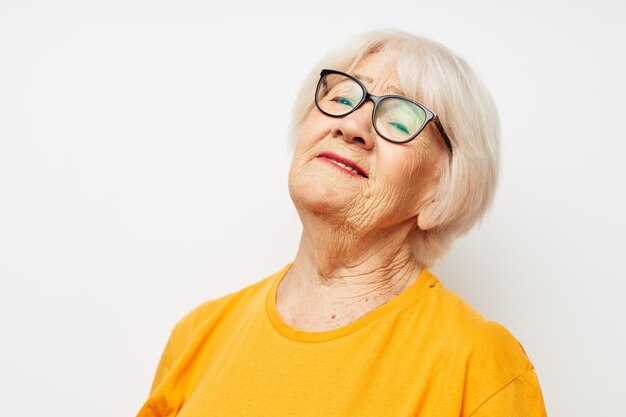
<point>336,272</point>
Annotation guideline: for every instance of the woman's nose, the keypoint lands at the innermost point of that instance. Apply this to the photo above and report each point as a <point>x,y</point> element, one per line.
<point>357,127</point>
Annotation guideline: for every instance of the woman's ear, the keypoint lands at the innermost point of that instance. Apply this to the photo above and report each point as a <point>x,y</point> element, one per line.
<point>426,217</point>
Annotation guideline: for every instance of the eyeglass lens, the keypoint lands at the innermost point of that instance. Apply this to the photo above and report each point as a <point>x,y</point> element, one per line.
<point>396,119</point>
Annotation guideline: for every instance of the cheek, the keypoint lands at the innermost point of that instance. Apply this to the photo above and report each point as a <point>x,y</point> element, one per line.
<point>313,130</point>
<point>404,176</point>
<point>401,166</point>
<point>314,124</point>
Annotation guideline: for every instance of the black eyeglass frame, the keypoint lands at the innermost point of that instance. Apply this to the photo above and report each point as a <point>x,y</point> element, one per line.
<point>430,116</point>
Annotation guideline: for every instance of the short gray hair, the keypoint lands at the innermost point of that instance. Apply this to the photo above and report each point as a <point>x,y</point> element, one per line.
<point>433,75</point>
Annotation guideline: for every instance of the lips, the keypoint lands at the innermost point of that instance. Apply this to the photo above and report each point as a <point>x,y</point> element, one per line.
<point>349,165</point>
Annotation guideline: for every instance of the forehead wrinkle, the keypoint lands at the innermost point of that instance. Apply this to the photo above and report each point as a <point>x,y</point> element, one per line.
<point>369,80</point>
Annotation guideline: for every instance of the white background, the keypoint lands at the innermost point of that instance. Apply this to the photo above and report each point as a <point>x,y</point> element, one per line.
<point>131,190</point>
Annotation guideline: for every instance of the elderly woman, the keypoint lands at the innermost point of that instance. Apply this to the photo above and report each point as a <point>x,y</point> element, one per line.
<point>396,154</point>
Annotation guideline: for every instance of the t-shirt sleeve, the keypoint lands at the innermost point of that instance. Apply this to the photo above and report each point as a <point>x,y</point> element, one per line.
<point>165,363</point>
<point>519,398</point>
<point>179,338</point>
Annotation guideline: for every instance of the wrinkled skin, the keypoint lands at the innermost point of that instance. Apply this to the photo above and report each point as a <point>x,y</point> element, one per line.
<point>354,254</point>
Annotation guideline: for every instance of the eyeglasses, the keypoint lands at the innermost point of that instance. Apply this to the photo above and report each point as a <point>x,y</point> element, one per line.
<point>395,118</point>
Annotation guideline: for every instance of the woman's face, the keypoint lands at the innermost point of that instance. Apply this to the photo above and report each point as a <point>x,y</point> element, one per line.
<point>399,180</point>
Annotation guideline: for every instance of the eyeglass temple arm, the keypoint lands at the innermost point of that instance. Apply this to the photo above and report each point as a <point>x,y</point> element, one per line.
<point>443,133</point>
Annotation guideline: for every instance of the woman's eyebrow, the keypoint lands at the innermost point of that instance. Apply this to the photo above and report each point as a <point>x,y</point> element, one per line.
<point>369,80</point>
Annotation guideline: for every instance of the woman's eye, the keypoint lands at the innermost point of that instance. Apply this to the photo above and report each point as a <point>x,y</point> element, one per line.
<point>342,100</point>
<point>399,126</point>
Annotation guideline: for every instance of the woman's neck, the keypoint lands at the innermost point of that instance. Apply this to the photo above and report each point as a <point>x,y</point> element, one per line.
<point>339,276</point>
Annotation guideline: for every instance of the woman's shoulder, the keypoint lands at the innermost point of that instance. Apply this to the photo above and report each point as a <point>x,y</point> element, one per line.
<point>214,309</point>
<point>481,354</point>
<point>482,341</point>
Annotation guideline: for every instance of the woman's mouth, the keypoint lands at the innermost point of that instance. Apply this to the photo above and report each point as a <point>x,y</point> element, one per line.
<point>342,163</point>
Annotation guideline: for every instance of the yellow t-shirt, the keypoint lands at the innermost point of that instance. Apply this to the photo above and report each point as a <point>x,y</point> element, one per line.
<point>423,353</point>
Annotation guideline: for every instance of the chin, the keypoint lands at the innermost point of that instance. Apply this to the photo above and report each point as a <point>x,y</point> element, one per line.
<point>316,194</point>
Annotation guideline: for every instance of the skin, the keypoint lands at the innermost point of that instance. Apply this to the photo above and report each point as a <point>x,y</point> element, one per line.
<point>355,253</point>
